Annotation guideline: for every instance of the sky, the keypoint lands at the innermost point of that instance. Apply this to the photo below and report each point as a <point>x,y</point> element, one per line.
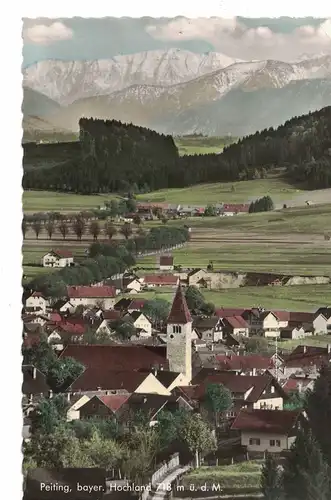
<point>245,38</point>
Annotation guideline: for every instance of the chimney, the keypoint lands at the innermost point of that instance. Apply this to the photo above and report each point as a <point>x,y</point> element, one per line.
<point>299,385</point>
<point>68,396</point>
<point>145,400</point>
<point>329,348</point>
<point>34,373</point>
<point>304,349</point>
<point>211,347</point>
<point>254,372</point>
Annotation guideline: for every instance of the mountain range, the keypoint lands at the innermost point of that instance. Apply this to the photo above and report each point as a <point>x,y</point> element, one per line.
<point>175,91</point>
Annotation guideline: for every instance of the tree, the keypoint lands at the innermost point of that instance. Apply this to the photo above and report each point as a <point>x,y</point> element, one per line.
<point>103,453</point>
<point>139,460</point>
<point>318,408</point>
<point>110,230</point>
<point>95,229</point>
<point>271,479</point>
<point>197,435</point>
<point>210,211</point>
<point>131,205</point>
<point>113,209</point>
<point>169,425</point>
<point>194,298</point>
<point>63,372</point>
<point>24,227</point>
<point>296,401</point>
<point>157,310</point>
<point>36,226</point>
<point>137,220</point>
<point>63,228</point>
<point>49,414</point>
<point>164,220</point>
<point>256,344</point>
<point>79,227</point>
<point>50,226</point>
<point>217,400</point>
<point>306,474</point>
<point>126,230</point>
<point>123,328</point>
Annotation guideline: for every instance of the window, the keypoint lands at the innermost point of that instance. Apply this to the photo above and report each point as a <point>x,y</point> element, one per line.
<point>272,442</point>
<point>177,329</point>
<point>278,443</point>
<point>255,441</point>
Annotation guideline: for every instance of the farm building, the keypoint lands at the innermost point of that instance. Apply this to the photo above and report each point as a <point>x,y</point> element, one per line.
<point>58,258</point>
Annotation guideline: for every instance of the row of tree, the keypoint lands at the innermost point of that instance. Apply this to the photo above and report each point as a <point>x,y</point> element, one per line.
<point>264,204</point>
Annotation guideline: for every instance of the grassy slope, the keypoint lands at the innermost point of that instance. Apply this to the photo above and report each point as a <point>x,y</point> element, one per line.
<point>245,475</point>
<point>45,201</point>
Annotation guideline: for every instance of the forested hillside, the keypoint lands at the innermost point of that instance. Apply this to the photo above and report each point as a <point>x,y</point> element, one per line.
<point>114,156</point>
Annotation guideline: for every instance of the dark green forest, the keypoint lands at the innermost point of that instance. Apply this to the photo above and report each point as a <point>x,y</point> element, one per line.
<point>114,156</point>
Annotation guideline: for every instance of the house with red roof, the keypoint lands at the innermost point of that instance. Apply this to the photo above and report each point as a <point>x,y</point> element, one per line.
<point>225,312</point>
<point>58,258</point>
<point>253,364</point>
<point>308,358</point>
<point>101,296</point>
<point>235,325</point>
<point>136,305</point>
<point>262,322</point>
<point>267,430</point>
<point>166,263</point>
<point>103,406</point>
<point>158,280</point>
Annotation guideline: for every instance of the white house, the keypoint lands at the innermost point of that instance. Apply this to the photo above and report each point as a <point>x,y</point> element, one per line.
<point>166,263</point>
<point>36,302</point>
<point>141,323</point>
<point>101,296</point>
<point>58,258</point>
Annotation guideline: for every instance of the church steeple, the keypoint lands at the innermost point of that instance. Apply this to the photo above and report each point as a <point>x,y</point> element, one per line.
<point>179,313</point>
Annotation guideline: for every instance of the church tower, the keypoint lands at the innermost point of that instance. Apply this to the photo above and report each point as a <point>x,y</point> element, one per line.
<point>179,336</point>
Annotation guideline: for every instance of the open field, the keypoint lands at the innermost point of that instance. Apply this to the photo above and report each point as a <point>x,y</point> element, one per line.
<point>227,192</point>
<point>306,298</point>
<point>240,475</point>
<point>318,341</point>
<point>191,145</point>
<point>46,201</point>
<point>310,220</point>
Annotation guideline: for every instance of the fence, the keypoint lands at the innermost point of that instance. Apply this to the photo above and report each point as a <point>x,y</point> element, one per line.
<point>161,473</point>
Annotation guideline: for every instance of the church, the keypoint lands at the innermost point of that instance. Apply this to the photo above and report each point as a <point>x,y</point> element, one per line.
<point>179,336</point>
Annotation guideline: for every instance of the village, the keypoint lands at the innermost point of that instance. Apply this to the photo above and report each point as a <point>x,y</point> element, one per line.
<point>136,357</point>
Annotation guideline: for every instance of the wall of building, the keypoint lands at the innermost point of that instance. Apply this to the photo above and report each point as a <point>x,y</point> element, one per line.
<point>285,442</point>
<point>151,385</point>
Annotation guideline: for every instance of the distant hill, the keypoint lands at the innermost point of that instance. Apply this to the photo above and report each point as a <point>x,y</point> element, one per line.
<point>37,104</point>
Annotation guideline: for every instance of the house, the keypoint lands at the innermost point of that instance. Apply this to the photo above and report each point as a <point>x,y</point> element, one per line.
<point>127,284</point>
<point>102,296</point>
<point>58,258</point>
<point>166,263</point>
<point>293,331</point>
<point>140,322</point>
<point>36,302</point>
<point>170,380</point>
<point>102,406</point>
<point>122,304</point>
<point>262,322</point>
<point>308,358</point>
<point>105,327</point>
<point>76,402</point>
<point>208,329</point>
<point>267,430</point>
<point>136,305</point>
<point>117,382</point>
<point>322,321</point>
<point>199,278</point>
<point>69,330</point>
<point>111,314</point>
<point>63,306</point>
<point>253,364</point>
<point>158,280</point>
<point>253,392</point>
<point>298,384</point>
<point>235,325</point>
<point>225,312</point>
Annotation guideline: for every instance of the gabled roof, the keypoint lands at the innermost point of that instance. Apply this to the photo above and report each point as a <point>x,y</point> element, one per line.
<point>37,295</point>
<point>111,314</point>
<point>118,357</point>
<point>104,378</point>
<point>326,311</point>
<point>247,362</point>
<point>90,292</point>
<point>61,253</point>
<point>293,384</point>
<point>137,304</point>
<point>166,260</point>
<point>308,356</point>
<point>225,312</point>
<point>148,403</point>
<point>161,279</point>
<point>136,314</point>
<point>122,304</point>
<point>236,322</point>
<point>270,421</point>
<point>282,315</point>
<point>238,384</point>
<point>205,323</point>
<point>301,317</point>
<point>179,312</point>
